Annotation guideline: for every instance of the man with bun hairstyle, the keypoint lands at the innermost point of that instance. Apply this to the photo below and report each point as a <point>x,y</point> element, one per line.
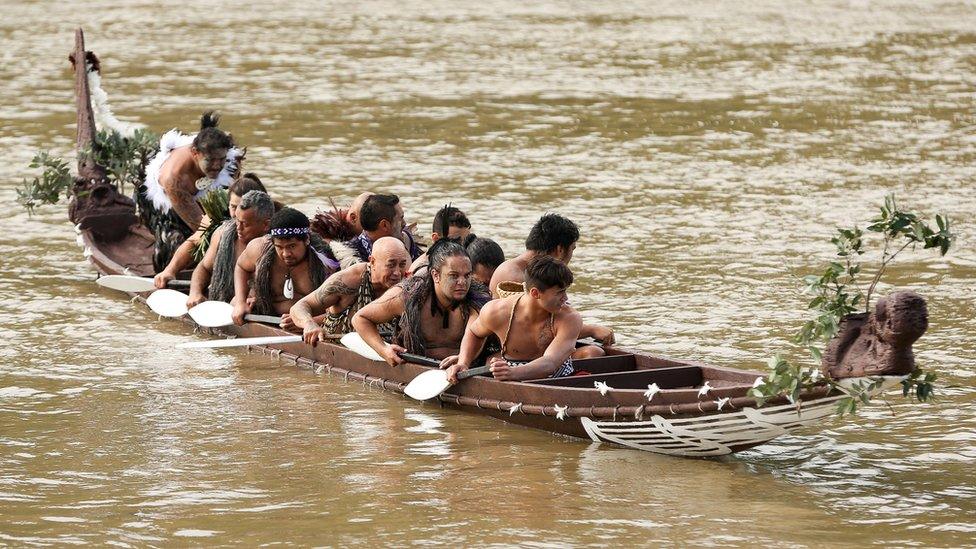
<point>183,171</point>
<point>284,266</point>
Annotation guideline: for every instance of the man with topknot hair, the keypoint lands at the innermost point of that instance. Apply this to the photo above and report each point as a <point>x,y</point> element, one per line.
<point>185,169</point>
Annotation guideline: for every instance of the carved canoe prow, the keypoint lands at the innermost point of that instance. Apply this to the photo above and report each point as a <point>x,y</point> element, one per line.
<point>96,204</point>
<point>880,342</point>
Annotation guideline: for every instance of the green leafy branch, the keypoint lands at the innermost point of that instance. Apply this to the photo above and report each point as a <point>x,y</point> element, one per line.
<point>54,181</point>
<point>215,204</point>
<point>124,159</point>
<point>837,295</point>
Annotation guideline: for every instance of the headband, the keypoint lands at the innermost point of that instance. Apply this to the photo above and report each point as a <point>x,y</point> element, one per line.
<point>289,231</point>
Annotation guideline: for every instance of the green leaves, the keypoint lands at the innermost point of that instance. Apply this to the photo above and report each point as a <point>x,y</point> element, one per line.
<point>215,204</point>
<point>837,294</point>
<point>54,181</point>
<point>124,159</point>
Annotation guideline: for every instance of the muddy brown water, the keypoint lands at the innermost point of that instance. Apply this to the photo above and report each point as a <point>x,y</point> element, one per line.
<point>707,150</point>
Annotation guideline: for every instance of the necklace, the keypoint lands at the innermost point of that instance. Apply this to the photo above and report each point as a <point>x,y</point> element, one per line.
<point>289,290</point>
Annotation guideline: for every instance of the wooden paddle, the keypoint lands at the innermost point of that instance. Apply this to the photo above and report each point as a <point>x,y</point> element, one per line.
<point>239,342</point>
<point>425,386</point>
<point>136,284</point>
<point>168,303</point>
<point>214,314</point>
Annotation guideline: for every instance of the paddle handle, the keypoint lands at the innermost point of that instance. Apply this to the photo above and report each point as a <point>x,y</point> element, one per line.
<point>267,319</point>
<point>178,284</point>
<point>471,372</point>
<point>420,359</point>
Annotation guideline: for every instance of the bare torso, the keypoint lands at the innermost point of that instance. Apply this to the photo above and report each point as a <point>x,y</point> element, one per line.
<point>442,342</point>
<point>178,177</point>
<point>511,270</point>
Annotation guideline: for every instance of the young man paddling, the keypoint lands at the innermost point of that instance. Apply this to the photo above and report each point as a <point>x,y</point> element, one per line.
<point>553,236</point>
<point>449,223</point>
<point>285,267</point>
<point>214,276</point>
<point>349,290</point>
<point>537,329</point>
<point>433,309</point>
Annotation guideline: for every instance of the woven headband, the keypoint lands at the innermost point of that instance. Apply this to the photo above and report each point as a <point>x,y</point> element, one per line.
<point>290,231</point>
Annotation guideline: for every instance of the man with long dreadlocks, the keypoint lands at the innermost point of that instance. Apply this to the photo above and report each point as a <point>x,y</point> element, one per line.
<point>286,266</point>
<point>433,309</point>
<point>183,171</point>
<point>351,289</point>
<point>214,276</point>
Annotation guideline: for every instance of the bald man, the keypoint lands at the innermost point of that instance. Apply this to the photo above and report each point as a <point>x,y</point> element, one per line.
<point>351,289</point>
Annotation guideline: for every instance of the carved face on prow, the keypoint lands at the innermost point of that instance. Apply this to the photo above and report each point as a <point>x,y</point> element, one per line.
<point>901,318</point>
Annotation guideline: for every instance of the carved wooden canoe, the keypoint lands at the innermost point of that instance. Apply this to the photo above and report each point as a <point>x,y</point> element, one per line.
<point>699,410</point>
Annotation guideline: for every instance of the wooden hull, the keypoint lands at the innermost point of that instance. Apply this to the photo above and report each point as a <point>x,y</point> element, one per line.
<point>675,421</point>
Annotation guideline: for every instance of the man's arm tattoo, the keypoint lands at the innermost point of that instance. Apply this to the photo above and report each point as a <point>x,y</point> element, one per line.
<point>335,287</point>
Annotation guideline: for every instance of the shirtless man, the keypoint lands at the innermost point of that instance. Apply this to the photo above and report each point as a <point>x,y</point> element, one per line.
<point>434,309</point>
<point>555,236</point>
<point>537,329</point>
<point>284,266</point>
<point>169,196</point>
<point>183,257</point>
<point>349,290</point>
<point>214,276</point>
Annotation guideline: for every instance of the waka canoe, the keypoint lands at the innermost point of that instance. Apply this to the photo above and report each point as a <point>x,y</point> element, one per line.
<point>681,419</point>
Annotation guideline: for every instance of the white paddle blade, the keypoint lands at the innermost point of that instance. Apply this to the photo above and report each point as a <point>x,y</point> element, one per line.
<point>212,314</point>
<point>354,342</point>
<point>239,342</point>
<point>125,283</point>
<point>169,303</point>
<point>427,385</point>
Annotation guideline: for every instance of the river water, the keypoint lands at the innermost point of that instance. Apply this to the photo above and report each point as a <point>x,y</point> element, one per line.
<point>707,149</point>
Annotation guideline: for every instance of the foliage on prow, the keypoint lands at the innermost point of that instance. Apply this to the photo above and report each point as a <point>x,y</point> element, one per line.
<point>124,159</point>
<point>838,294</point>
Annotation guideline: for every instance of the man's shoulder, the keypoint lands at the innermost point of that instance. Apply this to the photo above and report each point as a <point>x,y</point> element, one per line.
<point>568,315</point>
<point>351,275</point>
<point>256,247</point>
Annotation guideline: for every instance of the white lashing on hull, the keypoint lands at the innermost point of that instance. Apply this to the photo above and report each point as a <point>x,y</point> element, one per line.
<point>717,434</point>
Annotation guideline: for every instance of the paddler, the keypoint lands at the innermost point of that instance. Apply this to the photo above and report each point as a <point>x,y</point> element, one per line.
<point>382,215</point>
<point>433,309</point>
<point>537,329</point>
<point>285,266</point>
<point>349,290</point>
<point>213,278</point>
<point>183,171</point>
<point>183,257</point>
<point>486,255</point>
<point>553,236</point>
<point>451,223</point>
